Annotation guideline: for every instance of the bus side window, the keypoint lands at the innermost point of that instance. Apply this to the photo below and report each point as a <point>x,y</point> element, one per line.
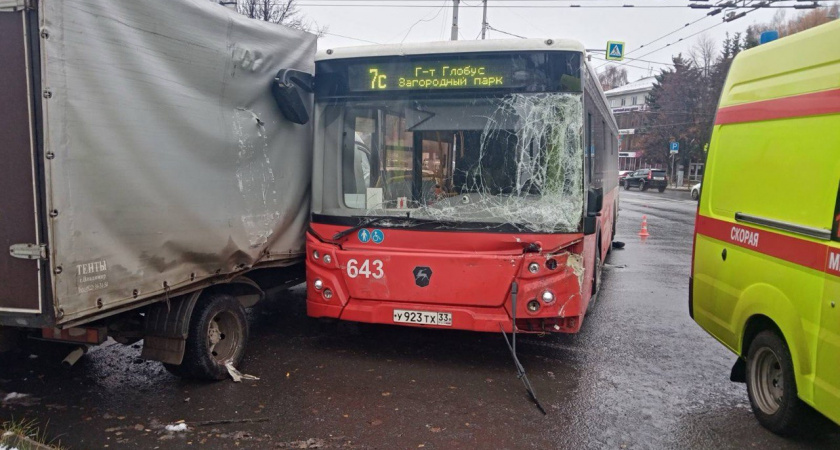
<point>590,145</point>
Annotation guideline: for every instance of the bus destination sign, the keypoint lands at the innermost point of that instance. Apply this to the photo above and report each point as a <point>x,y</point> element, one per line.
<point>429,75</point>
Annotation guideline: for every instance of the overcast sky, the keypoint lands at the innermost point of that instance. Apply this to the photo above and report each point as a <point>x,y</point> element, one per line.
<point>593,27</point>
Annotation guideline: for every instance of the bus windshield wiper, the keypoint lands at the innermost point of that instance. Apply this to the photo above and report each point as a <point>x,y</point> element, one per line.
<point>364,224</point>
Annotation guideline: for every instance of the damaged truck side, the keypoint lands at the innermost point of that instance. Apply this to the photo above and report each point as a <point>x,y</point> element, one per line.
<point>151,187</point>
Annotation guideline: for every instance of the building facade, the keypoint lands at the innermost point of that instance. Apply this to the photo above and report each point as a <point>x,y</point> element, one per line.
<point>629,104</point>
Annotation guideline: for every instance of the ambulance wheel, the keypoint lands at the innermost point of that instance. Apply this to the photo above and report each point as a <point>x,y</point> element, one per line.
<point>771,385</point>
<point>218,334</point>
<point>642,186</point>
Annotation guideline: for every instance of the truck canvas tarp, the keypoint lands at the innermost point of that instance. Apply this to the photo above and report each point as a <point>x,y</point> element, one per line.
<point>143,155</point>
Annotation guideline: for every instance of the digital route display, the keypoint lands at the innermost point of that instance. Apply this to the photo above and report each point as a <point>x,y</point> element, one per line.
<point>446,74</point>
<point>537,71</point>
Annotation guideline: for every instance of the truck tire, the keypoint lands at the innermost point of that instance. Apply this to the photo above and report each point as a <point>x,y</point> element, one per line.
<point>771,385</point>
<point>218,334</point>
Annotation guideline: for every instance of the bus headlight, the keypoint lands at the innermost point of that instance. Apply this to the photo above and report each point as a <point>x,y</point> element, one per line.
<point>327,259</point>
<point>547,297</point>
<point>327,294</point>
<point>533,306</point>
<point>315,255</point>
<point>533,267</point>
<point>318,284</point>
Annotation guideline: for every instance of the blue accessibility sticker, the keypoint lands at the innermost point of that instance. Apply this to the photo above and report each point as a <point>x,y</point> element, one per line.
<point>364,235</point>
<point>377,236</point>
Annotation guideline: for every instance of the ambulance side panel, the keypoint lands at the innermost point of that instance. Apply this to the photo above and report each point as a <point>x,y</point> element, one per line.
<point>779,169</point>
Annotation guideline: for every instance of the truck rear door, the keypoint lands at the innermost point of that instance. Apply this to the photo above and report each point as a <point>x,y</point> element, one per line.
<point>20,287</point>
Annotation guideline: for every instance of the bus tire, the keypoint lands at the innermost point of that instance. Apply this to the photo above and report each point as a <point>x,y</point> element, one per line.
<point>771,385</point>
<point>218,334</point>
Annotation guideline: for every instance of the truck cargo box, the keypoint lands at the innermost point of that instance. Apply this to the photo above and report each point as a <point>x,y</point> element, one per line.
<point>143,155</point>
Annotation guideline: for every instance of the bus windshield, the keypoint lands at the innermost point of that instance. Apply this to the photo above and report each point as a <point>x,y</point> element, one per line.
<point>513,159</point>
<point>483,138</point>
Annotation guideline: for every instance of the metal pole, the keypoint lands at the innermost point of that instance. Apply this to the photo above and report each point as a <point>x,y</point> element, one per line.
<point>455,4</point>
<point>484,21</point>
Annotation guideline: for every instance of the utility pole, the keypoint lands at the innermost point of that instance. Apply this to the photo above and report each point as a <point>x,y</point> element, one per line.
<point>484,21</point>
<point>455,4</point>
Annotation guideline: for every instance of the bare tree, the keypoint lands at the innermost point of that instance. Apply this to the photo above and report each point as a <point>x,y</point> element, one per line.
<point>787,26</point>
<point>703,53</point>
<point>283,12</point>
<point>612,77</point>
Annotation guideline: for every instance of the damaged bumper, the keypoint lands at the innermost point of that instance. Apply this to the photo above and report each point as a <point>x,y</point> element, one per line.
<point>455,281</point>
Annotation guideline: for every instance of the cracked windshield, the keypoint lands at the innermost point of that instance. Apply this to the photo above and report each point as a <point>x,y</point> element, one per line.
<point>514,158</point>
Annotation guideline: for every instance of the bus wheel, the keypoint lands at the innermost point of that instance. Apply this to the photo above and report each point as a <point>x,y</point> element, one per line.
<point>218,334</point>
<point>771,385</point>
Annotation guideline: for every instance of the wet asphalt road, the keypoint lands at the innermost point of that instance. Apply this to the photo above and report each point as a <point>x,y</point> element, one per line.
<point>640,374</point>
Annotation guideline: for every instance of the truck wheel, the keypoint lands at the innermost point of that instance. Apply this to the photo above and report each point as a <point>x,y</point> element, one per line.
<point>771,385</point>
<point>218,335</point>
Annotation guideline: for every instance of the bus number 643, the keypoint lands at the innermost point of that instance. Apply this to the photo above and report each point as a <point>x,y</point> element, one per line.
<point>354,269</point>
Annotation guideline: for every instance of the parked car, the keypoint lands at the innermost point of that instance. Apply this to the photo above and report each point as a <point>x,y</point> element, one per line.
<point>622,174</point>
<point>695,191</point>
<point>647,178</point>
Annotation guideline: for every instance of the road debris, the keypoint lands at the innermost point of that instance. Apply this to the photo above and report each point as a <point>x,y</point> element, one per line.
<point>177,427</point>
<point>228,421</point>
<point>237,375</point>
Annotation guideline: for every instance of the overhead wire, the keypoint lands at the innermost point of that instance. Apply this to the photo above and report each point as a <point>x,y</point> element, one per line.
<point>578,5</point>
<point>351,38</point>
<point>725,20</point>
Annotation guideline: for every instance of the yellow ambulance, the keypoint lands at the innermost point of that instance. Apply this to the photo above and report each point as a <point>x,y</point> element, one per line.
<point>765,276</point>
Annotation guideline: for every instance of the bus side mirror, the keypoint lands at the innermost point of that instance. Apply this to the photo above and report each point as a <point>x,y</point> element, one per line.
<point>290,89</point>
<point>594,201</point>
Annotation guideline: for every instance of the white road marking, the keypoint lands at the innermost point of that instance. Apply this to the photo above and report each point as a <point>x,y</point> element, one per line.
<point>650,200</point>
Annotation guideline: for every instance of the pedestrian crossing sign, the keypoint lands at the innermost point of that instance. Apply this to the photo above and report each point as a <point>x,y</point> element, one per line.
<point>615,50</point>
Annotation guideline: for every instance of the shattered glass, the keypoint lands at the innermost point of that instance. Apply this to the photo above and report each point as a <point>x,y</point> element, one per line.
<point>516,159</point>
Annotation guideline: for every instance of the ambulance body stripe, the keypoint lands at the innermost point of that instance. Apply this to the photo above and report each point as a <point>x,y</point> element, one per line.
<point>803,105</point>
<point>813,255</point>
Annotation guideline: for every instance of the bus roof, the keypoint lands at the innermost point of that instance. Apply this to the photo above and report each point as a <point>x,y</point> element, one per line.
<point>446,47</point>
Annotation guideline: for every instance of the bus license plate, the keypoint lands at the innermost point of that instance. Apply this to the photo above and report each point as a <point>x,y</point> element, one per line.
<point>423,317</point>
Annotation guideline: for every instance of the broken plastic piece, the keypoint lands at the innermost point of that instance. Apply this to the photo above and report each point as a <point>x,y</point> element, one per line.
<point>237,375</point>
<point>178,427</point>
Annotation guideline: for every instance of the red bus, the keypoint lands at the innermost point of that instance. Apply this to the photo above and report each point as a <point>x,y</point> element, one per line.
<point>460,185</point>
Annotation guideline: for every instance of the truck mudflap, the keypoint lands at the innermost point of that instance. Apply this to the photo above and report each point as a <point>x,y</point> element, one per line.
<point>168,322</point>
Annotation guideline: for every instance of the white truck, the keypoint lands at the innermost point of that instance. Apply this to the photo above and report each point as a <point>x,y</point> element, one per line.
<point>154,173</point>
